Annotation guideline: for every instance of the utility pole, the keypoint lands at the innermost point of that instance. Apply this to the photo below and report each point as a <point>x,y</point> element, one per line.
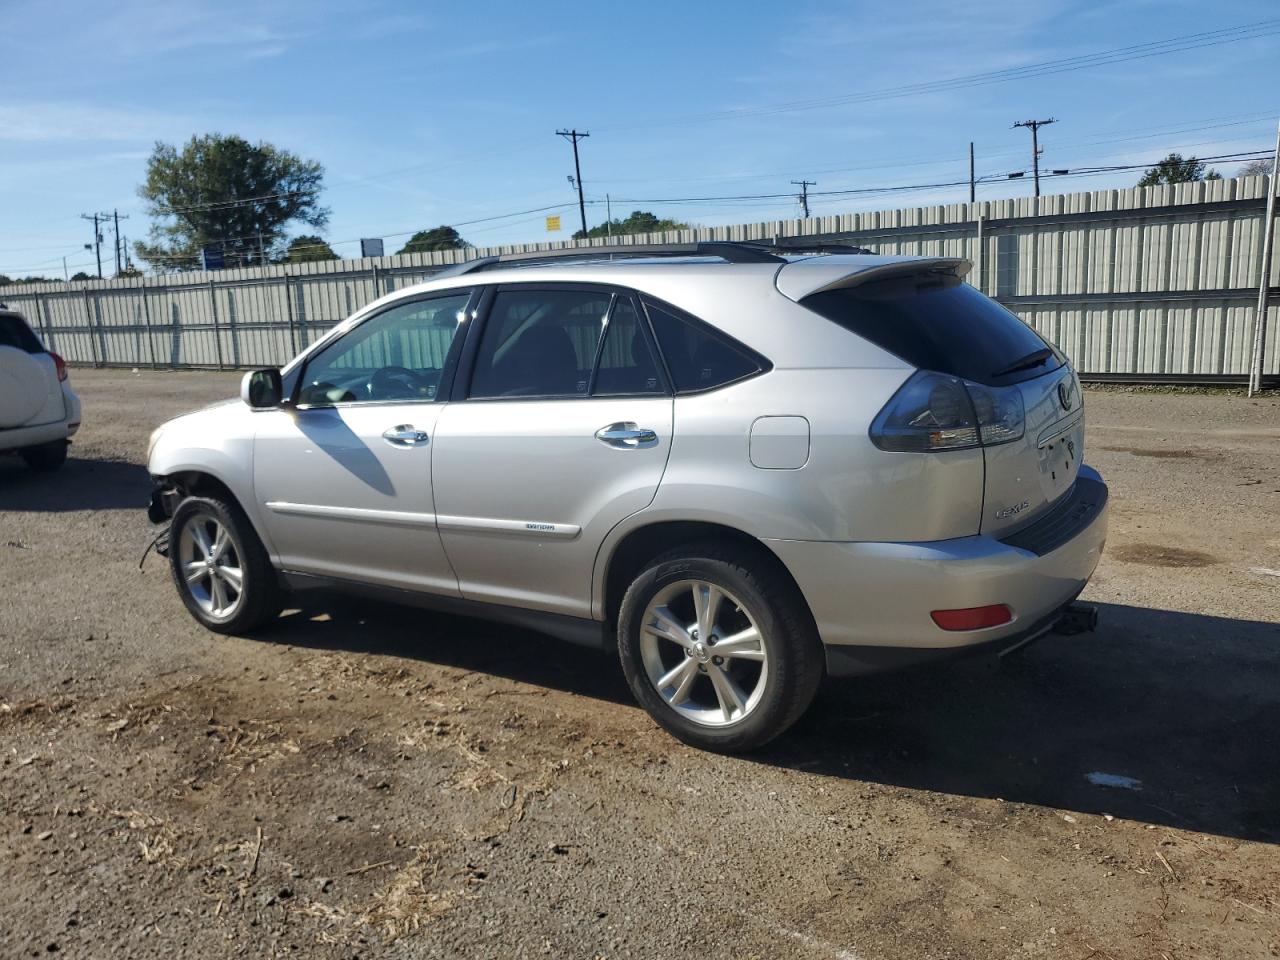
<point>97,237</point>
<point>804,186</point>
<point>608,216</point>
<point>971,192</point>
<point>115,214</point>
<point>1035,126</point>
<point>573,136</point>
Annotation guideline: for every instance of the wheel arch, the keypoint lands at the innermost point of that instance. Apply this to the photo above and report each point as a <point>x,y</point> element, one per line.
<point>201,481</point>
<point>635,548</point>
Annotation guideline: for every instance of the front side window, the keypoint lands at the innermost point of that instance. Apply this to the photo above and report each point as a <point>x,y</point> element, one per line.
<point>397,355</point>
<point>540,343</point>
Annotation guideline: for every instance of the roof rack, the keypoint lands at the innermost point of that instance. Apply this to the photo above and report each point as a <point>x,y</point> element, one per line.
<point>748,251</point>
<point>801,245</point>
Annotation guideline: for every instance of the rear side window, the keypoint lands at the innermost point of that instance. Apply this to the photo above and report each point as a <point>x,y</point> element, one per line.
<point>627,365</point>
<point>697,357</point>
<point>14,332</point>
<point>539,343</point>
<point>940,324</point>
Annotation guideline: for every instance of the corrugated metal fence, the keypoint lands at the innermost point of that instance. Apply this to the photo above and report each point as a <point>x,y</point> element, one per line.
<point>1159,282</point>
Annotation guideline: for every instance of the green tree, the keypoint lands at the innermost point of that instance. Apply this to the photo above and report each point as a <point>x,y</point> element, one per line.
<point>224,190</point>
<point>5,281</point>
<point>640,221</point>
<point>1174,169</point>
<point>81,275</point>
<point>307,248</point>
<point>437,238</point>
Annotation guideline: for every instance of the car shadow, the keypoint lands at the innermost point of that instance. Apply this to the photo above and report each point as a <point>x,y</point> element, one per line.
<point>1176,715</point>
<point>358,625</point>
<point>1164,717</point>
<point>79,484</point>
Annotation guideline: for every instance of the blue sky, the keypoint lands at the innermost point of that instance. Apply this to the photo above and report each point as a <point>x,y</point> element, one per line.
<point>444,112</point>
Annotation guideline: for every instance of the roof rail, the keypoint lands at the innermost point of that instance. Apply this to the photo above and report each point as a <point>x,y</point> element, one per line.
<point>801,245</point>
<point>731,252</point>
<point>745,251</point>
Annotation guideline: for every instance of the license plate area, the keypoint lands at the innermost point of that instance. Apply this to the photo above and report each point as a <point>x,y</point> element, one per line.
<point>1061,451</point>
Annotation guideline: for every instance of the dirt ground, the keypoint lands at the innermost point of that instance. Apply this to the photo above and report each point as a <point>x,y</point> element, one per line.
<point>368,780</point>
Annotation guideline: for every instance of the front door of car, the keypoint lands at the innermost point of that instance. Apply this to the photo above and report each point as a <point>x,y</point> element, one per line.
<point>562,431</point>
<point>343,477</point>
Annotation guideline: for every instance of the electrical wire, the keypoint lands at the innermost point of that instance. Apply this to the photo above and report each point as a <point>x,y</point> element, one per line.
<point>1180,44</point>
<point>735,200</point>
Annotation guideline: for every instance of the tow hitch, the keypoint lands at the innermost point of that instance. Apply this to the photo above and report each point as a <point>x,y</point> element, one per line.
<point>1077,618</point>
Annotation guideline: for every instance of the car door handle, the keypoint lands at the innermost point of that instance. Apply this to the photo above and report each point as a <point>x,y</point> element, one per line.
<point>404,435</point>
<point>626,436</point>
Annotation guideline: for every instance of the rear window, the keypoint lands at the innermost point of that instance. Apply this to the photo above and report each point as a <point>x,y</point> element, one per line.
<point>941,324</point>
<point>14,332</point>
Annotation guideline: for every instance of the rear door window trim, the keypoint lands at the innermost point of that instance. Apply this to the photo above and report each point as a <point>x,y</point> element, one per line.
<point>465,370</point>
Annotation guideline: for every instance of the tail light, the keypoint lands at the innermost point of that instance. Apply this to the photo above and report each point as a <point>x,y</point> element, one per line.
<point>934,411</point>
<point>61,366</point>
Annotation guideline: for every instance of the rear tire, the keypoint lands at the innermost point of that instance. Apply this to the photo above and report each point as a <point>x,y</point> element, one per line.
<point>47,457</point>
<point>221,568</point>
<point>680,608</point>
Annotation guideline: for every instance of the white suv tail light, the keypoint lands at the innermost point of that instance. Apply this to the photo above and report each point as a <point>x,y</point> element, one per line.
<point>934,411</point>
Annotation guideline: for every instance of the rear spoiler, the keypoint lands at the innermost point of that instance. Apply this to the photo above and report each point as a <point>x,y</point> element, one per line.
<point>803,278</point>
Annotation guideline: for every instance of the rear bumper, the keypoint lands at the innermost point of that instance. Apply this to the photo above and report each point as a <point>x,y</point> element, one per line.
<point>18,438</point>
<point>880,595</point>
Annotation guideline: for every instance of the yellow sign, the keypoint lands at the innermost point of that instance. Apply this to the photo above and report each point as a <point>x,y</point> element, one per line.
<point>553,224</point>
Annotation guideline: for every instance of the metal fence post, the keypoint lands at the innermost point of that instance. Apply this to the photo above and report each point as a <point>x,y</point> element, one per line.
<point>377,283</point>
<point>977,259</point>
<point>146,319</point>
<point>88,316</point>
<point>1256,364</point>
<point>288,311</point>
<point>217,332</point>
<point>42,304</point>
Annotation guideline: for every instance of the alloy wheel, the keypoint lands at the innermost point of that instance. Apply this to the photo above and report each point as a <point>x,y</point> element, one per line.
<point>704,652</point>
<point>211,566</point>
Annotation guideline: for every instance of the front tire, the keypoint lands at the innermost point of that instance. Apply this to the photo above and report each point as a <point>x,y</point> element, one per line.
<point>718,647</point>
<point>220,567</point>
<point>47,457</point>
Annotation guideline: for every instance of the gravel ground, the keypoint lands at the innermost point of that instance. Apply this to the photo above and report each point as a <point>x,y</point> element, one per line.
<point>367,780</point>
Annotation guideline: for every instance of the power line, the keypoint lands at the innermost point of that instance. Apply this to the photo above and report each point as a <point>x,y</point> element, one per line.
<point>1124,54</point>
<point>745,200</point>
<point>1248,155</point>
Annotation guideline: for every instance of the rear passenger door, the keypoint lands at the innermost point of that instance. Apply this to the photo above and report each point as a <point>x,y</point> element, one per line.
<point>559,427</point>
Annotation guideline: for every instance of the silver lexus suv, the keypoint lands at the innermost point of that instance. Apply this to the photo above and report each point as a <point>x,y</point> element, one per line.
<point>741,468</point>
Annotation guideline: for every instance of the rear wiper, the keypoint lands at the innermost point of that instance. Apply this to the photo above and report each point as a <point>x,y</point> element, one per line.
<point>1033,359</point>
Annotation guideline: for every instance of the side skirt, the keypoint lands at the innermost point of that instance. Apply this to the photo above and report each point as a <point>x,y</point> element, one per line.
<point>587,633</point>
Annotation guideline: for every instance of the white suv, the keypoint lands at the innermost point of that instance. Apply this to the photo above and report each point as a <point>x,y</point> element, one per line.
<point>741,469</point>
<point>39,412</point>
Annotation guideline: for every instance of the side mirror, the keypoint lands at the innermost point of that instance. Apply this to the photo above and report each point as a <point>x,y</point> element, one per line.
<point>262,389</point>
